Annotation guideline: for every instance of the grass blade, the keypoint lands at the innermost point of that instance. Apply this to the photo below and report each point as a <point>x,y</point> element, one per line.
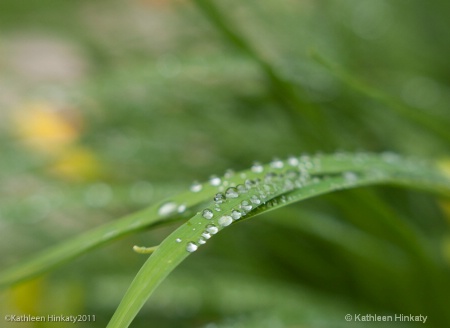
<point>145,219</point>
<point>418,117</point>
<point>267,188</point>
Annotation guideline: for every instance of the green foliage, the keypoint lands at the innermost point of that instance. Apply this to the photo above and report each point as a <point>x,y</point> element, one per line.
<point>149,96</point>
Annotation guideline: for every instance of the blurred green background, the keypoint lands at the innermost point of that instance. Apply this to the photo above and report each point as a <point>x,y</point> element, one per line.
<point>109,106</point>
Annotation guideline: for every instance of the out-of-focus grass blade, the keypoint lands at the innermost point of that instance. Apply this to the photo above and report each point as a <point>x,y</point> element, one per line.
<point>160,213</point>
<point>418,117</point>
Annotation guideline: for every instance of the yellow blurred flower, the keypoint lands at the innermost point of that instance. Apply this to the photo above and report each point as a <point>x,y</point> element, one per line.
<point>45,129</point>
<point>53,133</point>
<point>25,297</point>
<point>77,164</point>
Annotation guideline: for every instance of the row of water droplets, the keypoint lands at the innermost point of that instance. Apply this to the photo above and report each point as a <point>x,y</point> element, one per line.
<point>259,184</point>
<point>293,172</point>
<point>262,183</point>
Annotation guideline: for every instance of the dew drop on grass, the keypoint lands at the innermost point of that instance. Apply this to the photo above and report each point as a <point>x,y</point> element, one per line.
<point>178,240</point>
<point>257,167</point>
<point>212,229</point>
<point>269,177</point>
<point>219,198</point>
<point>229,173</point>
<point>292,174</point>
<point>225,220</point>
<point>196,186</point>
<point>255,200</point>
<point>236,215</point>
<point>246,206</point>
<point>350,177</point>
<point>288,185</point>
<point>207,214</point>
<point>201,241</point>
<point>191,247</point>
<point>276,164</point>
<point>249,184</point>
<point>167,208</point>
<point>181,208</point>
<point>293,161</point>
<point>241,189</point>
<point>214,180</point>
<point>206,235</point>
<point>231,193</point>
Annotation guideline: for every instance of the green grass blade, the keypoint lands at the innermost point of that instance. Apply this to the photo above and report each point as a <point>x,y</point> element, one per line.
<point>413,115</point>
<point>284,90</point>
<point>267,188</point>
<point>145,219</point>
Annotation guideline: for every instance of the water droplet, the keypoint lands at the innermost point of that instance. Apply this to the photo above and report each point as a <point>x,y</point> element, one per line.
<point>225,220</point>
<point>231,193</point>
<point>293,161</point>
<point>257,167</point>
<point>305,158</point>
<point>214,180</point>
<point>308,165</point>
<point>181,208</point>
<point>268,188</point>
<point>167,208</point>
<point>178,240</point>
<point>246,206</point>
<point>350,177</point>
<point>201,241</point>
<point>207,214</point>
<point>269,177</point>
<point>292,174</point>
<point>277,163</point>
<point>219,198</point>
<point>196,186</point>
<point>212,229</point>
<point>206,235</point>
<point>255,200</point>
<point>191,247</point>
<point>236,215</point>
<point>241,189</point>
<point>250,184</point>
<point>288,185</point>
<point>229,173</point>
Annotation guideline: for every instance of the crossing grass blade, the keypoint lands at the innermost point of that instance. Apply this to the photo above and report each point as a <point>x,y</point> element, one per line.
<point>145,219</point>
